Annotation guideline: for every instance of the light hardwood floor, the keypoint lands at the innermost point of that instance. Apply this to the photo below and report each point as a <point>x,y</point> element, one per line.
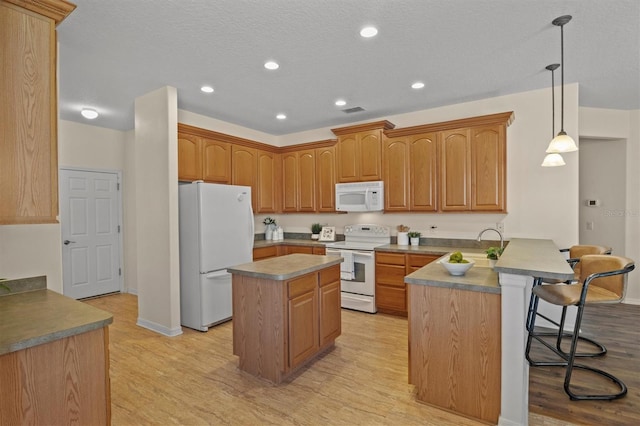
<point>193,378</point>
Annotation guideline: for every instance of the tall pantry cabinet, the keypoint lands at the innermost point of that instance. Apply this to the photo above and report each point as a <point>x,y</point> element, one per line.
<point>28,111</point>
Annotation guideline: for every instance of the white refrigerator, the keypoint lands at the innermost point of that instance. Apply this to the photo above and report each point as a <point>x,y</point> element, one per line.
<point>216,232</point>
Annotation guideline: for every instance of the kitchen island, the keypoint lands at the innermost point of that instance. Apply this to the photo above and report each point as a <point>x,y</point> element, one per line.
<point>286,312</point>
<point>467,334</point>
<point>54,357</point>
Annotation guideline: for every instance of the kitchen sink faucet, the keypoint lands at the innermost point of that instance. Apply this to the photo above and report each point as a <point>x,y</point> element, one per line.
<point>493,229</point>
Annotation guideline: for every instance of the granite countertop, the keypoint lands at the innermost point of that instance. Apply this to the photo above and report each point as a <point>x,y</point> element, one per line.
<point>536,258</point>
<point>475,279</point>
<point>285,267</point>
<point>31,315</point>
<point>425,249</point>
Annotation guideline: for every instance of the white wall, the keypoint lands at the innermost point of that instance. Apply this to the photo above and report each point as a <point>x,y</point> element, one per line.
<point>156,212</point>
<point>616,124</point>
<point>91,147</point>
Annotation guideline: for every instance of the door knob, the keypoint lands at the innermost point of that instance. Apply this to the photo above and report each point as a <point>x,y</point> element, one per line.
<point>67,242</point>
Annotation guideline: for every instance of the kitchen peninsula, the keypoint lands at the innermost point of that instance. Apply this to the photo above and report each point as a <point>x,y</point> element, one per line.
<point>467,334</point>
<point>286,312</point>
<point>54,357</point>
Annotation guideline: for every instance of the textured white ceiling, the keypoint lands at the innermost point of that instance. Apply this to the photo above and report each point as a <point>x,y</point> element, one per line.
<point>114,51</point>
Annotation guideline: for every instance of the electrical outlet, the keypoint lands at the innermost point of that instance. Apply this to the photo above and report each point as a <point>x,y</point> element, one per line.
<point>500,226</point>
<point>433,229</point>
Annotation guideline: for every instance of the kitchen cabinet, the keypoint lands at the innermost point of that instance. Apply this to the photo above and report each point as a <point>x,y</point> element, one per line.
<point>244,169</point>
<point>453,166</point>
<point>28,112</point>
<point>279,325</point>
<point>391,268</point>
<point>410,172</point>
<point>291,249</point>
<point>268,194</point>
<point>260,253</point>
<point>202,158</point>
<point>359,152</point>
<point>325,179</point>
<point>299,181</point>
<point>266,252</point>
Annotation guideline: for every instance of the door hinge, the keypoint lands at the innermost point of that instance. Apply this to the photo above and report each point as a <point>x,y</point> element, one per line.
<point>118,186</point>
<point>118,229</point>
<point>119,271</point>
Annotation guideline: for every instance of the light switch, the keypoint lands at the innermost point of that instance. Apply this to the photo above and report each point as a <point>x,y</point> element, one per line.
<point>589,226</point>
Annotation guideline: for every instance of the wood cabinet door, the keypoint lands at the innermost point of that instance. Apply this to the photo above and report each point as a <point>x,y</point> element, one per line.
<point>488,164</point>
<point>390,286</point>
<point>189,157</point>
<point>268,187</point>
<point>244,169</point>
<point>325,179</point>
<point>303,327</point>
<point>216,161</point>
<point>290,182</point>
<point>306,181</point>
<point>455,168</point>
<point>291,249</point>
<point>370,152</point>
<point>395,161</point>
<point>423,172</point>
<point>330,312</point>
<point>348,161</point>
<point>28,117</point>
<point>260,253</point>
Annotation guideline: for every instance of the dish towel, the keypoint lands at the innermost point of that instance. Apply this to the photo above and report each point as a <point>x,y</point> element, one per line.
<point>346,267</point>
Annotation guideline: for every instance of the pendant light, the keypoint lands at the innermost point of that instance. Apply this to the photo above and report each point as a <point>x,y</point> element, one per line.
<point>562,142</point>
<point>553,159</point>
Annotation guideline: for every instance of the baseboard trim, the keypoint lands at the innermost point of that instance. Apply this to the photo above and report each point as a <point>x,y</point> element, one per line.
<point>158,328</point>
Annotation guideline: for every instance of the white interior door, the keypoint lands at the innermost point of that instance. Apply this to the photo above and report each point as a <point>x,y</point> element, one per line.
<point>90,223</point>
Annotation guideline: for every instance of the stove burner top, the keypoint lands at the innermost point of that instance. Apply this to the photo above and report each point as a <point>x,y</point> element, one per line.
<point>363,237</point>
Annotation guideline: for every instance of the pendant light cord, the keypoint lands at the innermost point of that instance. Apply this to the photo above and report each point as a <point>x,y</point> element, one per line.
<point>561,78</point>
<point>553,107</point>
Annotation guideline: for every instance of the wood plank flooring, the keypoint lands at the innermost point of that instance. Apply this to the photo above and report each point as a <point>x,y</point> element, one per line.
<point>193,379</point>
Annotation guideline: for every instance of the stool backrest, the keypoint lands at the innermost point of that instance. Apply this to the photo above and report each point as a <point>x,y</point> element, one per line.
<point>577,251</point>
<point>598,263</point>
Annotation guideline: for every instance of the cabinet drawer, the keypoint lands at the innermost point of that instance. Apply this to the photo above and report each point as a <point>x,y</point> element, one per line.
<point>291,249</point>
<point>392,298</point>
<point>390,258</point>
<point>302,285</point>
<point>329,275</point>
<point>390,275</point>
<point>419,260</point>
<point>265,252</point>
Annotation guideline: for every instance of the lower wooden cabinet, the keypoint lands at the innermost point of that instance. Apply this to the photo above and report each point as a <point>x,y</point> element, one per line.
<point>391,268</point>
<point>280,325</point>
<point>260,253</point>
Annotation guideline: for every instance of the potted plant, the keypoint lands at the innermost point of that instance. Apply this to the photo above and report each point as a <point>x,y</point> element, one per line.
<point>403,238</point>
<point>270,226</point>
<point>315,231</point>
<point>414,237</point>
<point>493,253</point>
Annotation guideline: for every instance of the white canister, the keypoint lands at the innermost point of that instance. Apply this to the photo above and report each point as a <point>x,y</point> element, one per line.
<point>403,238</point>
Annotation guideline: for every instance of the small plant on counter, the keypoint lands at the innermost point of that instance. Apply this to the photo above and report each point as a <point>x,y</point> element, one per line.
<point>316,228</point>
<point>414,234</point>
<point>493,252</point>
<point>269,221</point>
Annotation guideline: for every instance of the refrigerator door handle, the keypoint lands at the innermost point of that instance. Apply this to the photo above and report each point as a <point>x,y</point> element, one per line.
<point>216,274</point>
<point>253,225</point>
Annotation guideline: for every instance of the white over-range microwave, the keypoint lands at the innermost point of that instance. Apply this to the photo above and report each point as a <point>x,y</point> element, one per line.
<point>360,196</point>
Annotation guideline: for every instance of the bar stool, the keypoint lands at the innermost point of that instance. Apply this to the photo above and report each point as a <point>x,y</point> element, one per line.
<point>603,279</point>
<point>575,254</point>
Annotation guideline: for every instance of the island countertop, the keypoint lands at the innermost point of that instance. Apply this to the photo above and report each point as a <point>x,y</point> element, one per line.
<point>285,267</point>
<point>38,316</point>
<point>536,258</point>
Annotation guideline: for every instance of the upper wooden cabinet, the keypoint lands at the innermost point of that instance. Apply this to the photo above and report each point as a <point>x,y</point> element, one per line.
<point>203,158</point>
<point>268,175</point>
<point>452,166</point>
<point>326,179</point>
<point>299,181</point>
<point>359,151</point>
<point>28,111</point>
<point>410,172</point>
<point>244,165</point>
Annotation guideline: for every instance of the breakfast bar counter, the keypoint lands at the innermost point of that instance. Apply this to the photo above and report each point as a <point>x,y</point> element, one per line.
<point>286,312</point>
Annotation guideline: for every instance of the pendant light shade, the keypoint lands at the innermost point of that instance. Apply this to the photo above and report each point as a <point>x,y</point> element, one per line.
<point>562,142</point>
<point>553,160</point>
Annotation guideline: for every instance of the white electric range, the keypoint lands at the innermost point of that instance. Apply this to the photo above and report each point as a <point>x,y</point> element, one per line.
<point>357,272</point>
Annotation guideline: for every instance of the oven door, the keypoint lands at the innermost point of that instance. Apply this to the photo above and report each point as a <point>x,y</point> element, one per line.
<point>363,281</point>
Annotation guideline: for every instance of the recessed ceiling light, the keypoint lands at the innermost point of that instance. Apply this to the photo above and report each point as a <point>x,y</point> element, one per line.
<point>368,32</point>
<point>417,85</point>
<point>271,65</point>
<point>281,116</point>
<point>89,113</point>
<point>207,89</point>
<point>341,102</point>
